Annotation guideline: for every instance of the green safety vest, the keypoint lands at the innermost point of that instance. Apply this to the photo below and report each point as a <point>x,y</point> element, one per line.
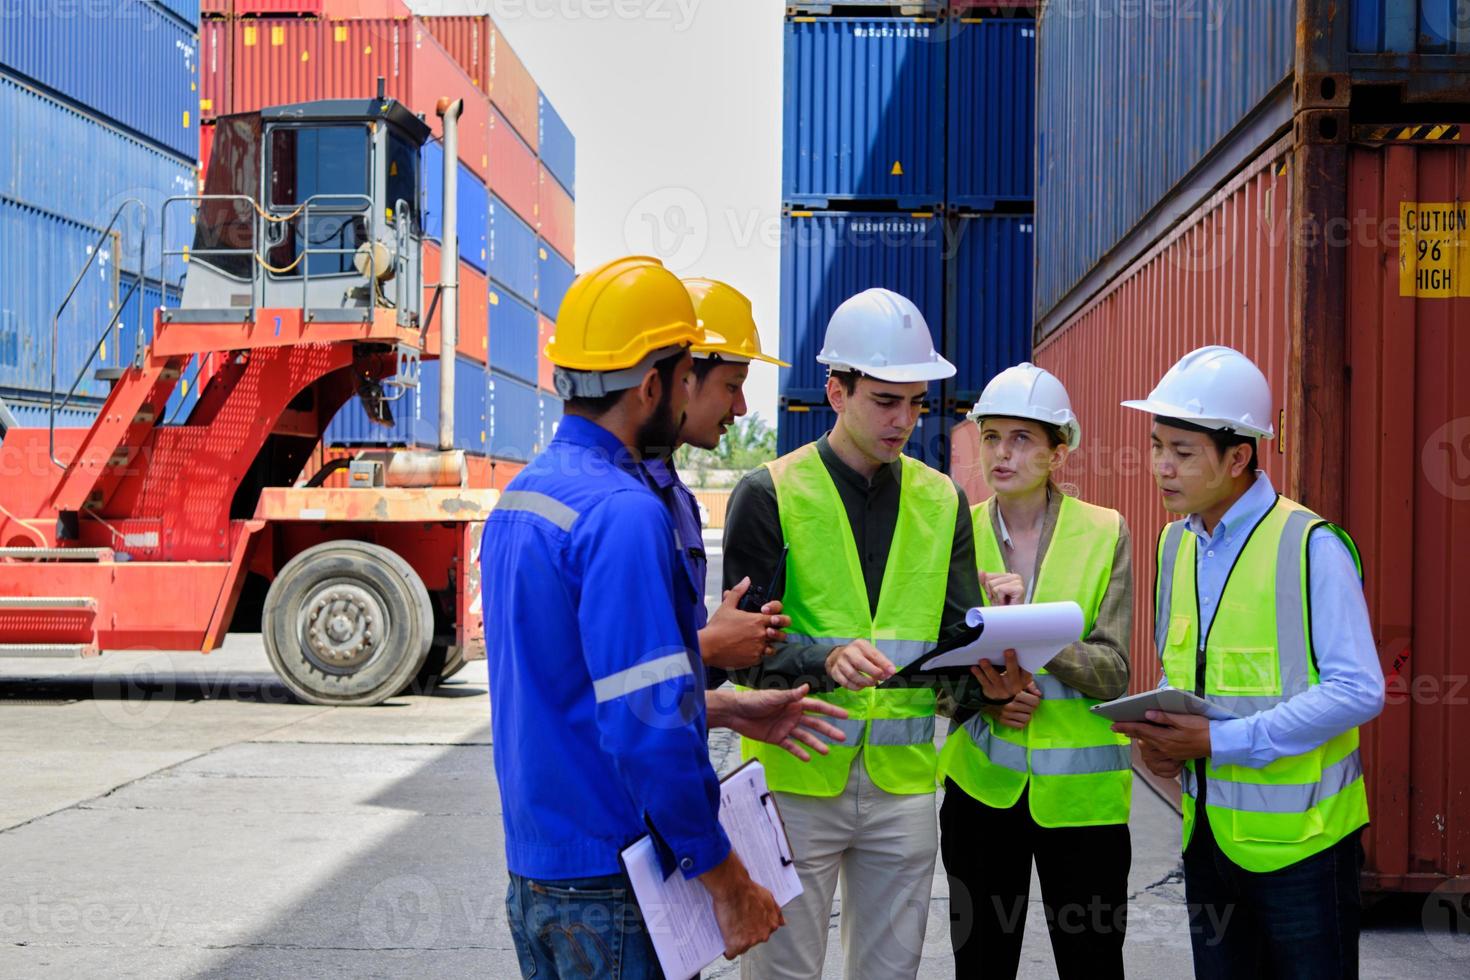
<point>827,600</point>
<point>1258,653</point>
<point>1079,771</point>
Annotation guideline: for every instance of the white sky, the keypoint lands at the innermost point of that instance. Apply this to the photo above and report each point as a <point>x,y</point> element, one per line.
<point>676,107</point>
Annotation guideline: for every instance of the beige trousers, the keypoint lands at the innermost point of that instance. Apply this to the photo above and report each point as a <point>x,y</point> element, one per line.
<point>881,848</point>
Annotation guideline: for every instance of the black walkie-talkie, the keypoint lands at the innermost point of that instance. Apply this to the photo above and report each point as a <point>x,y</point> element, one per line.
<point>757,597</point>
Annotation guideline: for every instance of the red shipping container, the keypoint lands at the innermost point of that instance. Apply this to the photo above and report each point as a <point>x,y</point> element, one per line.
<point>217,8</point>
<point>514,172</point>
<point>1363,345</point>
<point>558,214</point>
<point>206,148</point>
<point>545,370</point>
<point>330,9</point>
<point>215,40</point>
<point>474,309</point>
<point>481,50</point>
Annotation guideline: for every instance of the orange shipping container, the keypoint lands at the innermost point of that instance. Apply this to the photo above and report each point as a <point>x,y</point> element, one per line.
<point>215,39</point>
<point>558,216</point>
<point>481,50</point>
<point>495,474</point>
<point>515,176</point>
<point>474,315</point>
<point>546,371</point>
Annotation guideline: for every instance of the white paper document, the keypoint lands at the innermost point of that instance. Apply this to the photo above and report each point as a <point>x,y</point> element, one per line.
<point>1037,632</point>
<point>679,913</point>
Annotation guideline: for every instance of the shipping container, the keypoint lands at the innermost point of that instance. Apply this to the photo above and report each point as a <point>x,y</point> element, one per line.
<point>545,370</point>
<point>864,111</point>
<point>828,257</point>
<point>514,175</point>
<point>473,339</point>
<point>185,10</point>
<point>1345,336</point>
<point>1410,26</point>
<point>797,425</point>
<point>558,147</point>
<point>556,275</point>
<point>514,263</point>
<point>493,66</point>
<point>37,414</point>
<point>216,68</point>
<point>551,413</point>
<point>491,473</point>
<point>472,207</point>
<point>329,9</point>
<point>59,159</point>
<point>43,256</point>
<point>991,128</point>
<point>514,334</point>
<point>515,419</point>
<point>206,148</point>
<point>92,55</point>
<point>824,7</point>
<point>988,303</point>
<point>558,214</point>
<point>416,414</point>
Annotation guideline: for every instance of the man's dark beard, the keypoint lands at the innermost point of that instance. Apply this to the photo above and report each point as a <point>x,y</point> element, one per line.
<point>657,437</point>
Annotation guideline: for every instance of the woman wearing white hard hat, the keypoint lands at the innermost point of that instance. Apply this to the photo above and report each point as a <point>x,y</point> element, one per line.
<point>1042,773</point>
<point>1259,611</point>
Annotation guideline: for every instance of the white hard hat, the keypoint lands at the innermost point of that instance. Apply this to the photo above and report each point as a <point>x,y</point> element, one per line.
<point>1029,392</point>
<point>883,335</point>
<point>1217,388</point>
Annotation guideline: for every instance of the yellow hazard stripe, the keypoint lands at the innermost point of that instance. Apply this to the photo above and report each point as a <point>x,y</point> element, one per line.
<point>1443,133</point>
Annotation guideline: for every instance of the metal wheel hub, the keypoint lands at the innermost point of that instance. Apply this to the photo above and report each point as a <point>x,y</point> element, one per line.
<point>341,627</point>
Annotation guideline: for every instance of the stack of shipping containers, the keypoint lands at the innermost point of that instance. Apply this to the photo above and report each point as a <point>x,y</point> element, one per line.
<point>99,107</point>
<point>515,204</point>
<point>1287,177</point>
<point>908,165</point>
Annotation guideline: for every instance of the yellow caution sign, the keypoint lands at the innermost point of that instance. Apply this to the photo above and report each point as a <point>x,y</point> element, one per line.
<point>897,170</point>
<point>1434,261</point>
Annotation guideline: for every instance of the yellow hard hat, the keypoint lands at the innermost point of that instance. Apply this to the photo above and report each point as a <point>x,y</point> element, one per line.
<point>728,322</point>
<point>618,314</point>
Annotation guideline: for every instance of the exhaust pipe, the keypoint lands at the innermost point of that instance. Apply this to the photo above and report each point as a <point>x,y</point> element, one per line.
<point>449,272</point>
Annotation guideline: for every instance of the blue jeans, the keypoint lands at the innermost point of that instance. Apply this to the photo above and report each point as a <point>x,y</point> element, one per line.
<point>580,927</point>
<point>1299,923</point>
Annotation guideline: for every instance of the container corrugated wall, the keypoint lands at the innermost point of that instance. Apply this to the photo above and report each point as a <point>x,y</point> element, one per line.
<point>515,419</point>
<point>1128,105</point>
<point>416,415</point>
<point>513,251</point>
<point>473,206</point>
<point>1410,26</point>
<point>864,111</point>
<point>992,112</point>
<point>513,326</point>
<point>91,53</point>
<point>514,175</point>
<point>556,275</point>
<point>472,339</point>
<point>551,415</point>
<point>558,147</point>
<point>827,257</point>
<point>557,216</point>
<point>493,66</point>
<point>545,370</point>
<point>989,299</point>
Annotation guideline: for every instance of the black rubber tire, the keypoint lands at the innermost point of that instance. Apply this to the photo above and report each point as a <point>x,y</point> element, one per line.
<point>442,663</point>
<point>364,591</point>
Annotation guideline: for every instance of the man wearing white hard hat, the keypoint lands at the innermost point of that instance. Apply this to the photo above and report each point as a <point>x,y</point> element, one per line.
<point>1043,773</point>
<point>881,567</point>
<point>1260,611</point>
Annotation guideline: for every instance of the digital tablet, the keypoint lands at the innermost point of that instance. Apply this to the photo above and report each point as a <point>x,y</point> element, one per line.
<point>1136,706</point>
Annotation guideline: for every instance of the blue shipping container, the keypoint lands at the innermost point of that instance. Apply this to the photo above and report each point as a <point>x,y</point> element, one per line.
<point>36,415</point>
<point>1128,105</point>
<point>472,206</point>
<point>988,327</point>
<point>828,257</point>
<point>556,278</point>
<point>513,336</point>
<point>1410,26</point>
<point>558,147</point>
<point>797,426</point>
<point>185,10</point>
<point>513,260</point>
<point>416,414</point>
<point>62,160</point>
<point>42,256</point>
<point>129,61</point>
<point>992,112</point>
<point>515,419</point>
<point>551,413</point>
<point>864,111</point>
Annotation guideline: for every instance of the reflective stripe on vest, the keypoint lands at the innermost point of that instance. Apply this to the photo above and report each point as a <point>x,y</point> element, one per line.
<point>1256,654</point>
<point>1078,771</point>
<point>827,599</point>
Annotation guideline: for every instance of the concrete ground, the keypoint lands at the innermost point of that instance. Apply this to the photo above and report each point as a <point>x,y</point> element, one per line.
<point>172,815</point>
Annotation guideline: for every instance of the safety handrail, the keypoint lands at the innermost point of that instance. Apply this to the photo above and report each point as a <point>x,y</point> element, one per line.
<point>76,283</point>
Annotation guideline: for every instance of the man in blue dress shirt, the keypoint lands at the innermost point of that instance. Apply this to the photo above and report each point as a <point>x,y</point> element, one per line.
<point>598,704</point>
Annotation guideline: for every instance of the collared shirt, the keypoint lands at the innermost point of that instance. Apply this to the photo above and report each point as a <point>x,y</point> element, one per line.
<point>595,677</point>
<point>689,534</point>
<point>753,543</point>
<point>1097,665</point>
<point>1351,688</point>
